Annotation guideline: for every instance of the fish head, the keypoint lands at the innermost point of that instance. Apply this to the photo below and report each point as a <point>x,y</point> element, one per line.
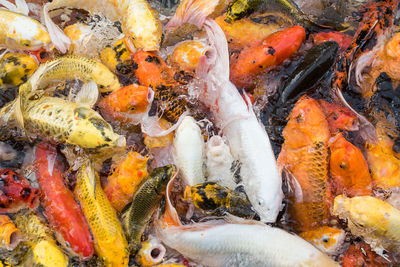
<point>163,175</point>
<point>105,79</point>
<point>93,132</point>
<point>339,117</point>
<point>16,192</point>
<point>150,253</point>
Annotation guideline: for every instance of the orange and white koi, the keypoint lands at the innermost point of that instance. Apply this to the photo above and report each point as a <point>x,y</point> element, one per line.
<point>327,239</point>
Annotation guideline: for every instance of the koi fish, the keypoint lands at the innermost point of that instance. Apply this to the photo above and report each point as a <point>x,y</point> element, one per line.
<point>16,192</point>
<point>216,199</point>
<point>349,169</point>
<point>371,218</point>
<point>274,49</point>
<point>127,104</point>
<point>304,156</point>
<point>255,32</point>
<point>109,240</point>
<point>219,162</point>
<point>328,239</point>
<point>20,32</point>
<point>38,235</point>
<point>137,215</point>
<point>189,151</point>
<point>125,180</point>
<point>150,253</point>
<point>16,68</point>
<point>186,55</point>
<point>241,8</point>
<point>10,236</point>
<point>135,16</point>
<point>241,244</point>
<point>60,208</point>
<point>248,140</point>
<point>342,39</point>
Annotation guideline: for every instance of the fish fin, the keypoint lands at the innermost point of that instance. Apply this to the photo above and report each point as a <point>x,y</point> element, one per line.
<point>19,117</point>
<point>192,12</point>
<point>294,187</point>
<point>88,94</point>
<point>4,52</point>
<point>367,130</point>
<point>59,39</point>
<point>363,61</point>
<point>152,128</point>
<point>229,218</point>
<point>20,6</point>
<point>170,216</point>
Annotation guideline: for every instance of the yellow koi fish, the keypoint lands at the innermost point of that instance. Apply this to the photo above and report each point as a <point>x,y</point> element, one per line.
<point>109,240</point>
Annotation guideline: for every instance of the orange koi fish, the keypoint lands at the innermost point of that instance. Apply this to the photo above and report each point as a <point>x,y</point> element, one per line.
<point>275,49</point>
<point>123,182</point>
<point>304,156</point>
<point>124,103</point>
<point>349,169</point>
<point>361,255</point>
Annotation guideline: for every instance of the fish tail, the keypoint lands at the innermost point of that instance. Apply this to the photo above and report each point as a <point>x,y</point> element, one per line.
<point>193,12</point>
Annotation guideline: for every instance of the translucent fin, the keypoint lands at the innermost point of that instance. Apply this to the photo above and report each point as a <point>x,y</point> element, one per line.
<point>192,12</point>
<point>88,94</point>
<point>152,128</point>
<point>367,130</point>
<point>20,6</point>
<point>18,113</point>
<point>59,39</point>
<point>170,217</point>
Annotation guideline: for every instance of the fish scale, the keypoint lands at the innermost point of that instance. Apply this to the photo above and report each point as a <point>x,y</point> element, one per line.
<point>109,239</point>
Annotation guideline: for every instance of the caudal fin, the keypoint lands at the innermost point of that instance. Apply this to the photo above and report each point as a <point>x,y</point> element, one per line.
<point>192,12</point>
<point>59,39</point>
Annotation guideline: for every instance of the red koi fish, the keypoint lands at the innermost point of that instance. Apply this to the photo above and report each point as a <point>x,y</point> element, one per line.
<point>60,207</point>
<point>275,49</point>
<point>16,192</point>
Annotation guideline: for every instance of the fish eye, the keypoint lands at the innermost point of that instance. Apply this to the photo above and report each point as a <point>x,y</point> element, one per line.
<point>101,86</point>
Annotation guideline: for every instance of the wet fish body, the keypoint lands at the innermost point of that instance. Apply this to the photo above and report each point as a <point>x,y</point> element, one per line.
<point>21,32</point>
<point>15,68</point>
<point>242,245</point>
<point>189,151</point>
<point>109,240</point>
<point>145,201</point>
<point>73,123</point>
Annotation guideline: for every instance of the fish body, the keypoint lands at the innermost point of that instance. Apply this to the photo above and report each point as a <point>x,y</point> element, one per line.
<point>189,151</point>
<point>315,63</point>
<point>125,180</point>
<point>241,8</point>
<point>371,218</point>
<point>274,49</point>
<point>304,156</point>
<point>38,235</point>
<point>10,236</point>
<point>349,169</point>
<point>16,192</point>
<point>109,240</point>
<point>73,123</point>
<point>60,207</point>
<point>255,32</point>
<point>216,199</point>
<point>15,68</point>
<point>227,244</point>
<point>248,140</point>
<point>154,72</point>
<point>360,254</point>
<point>126,102</point>
<point>85,69</point>
<point>145,201</point>
<point>219,162</point>
<point>328,239</point>
<point>186,55</point>
<point>140,22</point>
<point>339,117</point>
<point>21,32</point>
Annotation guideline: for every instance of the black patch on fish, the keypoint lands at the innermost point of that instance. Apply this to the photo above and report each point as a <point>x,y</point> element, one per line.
<point>26,192</point>
<point>271,50</point>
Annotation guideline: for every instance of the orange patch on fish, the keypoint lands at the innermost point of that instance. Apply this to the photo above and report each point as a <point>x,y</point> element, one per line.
<point>123,182</point>
<point>304,156</point>
<point>339,117</point>
<point>349,169</point>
